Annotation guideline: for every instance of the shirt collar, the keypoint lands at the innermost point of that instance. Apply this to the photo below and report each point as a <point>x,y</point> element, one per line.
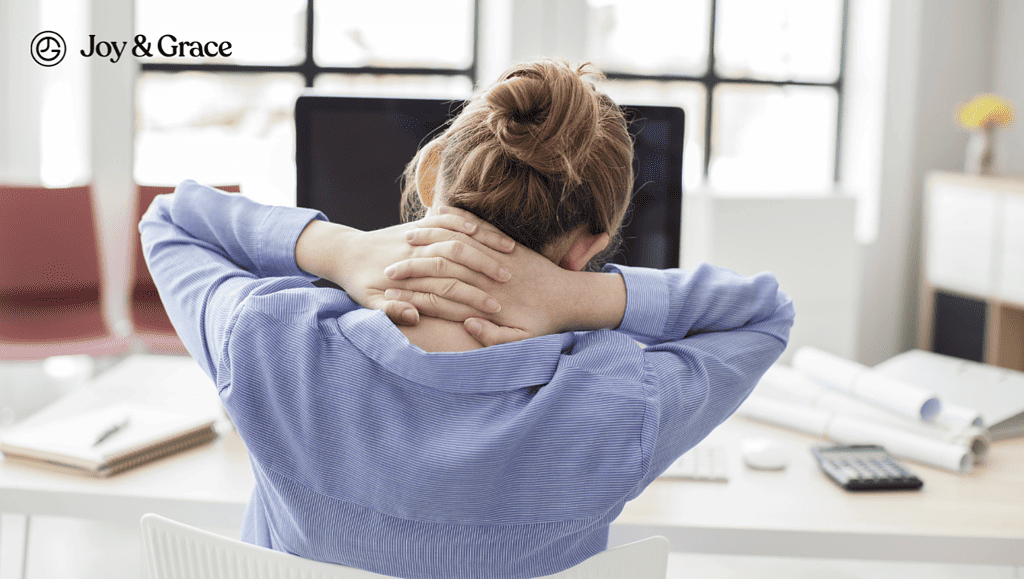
<point>510,366</point>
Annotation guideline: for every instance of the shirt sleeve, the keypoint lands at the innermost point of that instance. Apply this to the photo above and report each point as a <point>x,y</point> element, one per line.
<point>209,251</point>
<point>710,335</point>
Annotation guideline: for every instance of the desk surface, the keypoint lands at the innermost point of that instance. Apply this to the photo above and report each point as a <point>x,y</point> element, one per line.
<point>976,518</point>
<point>799,512</point>
<point>204,486</point>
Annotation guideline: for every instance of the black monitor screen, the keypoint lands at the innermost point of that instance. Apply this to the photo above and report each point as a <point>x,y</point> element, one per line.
<point>350,154</point>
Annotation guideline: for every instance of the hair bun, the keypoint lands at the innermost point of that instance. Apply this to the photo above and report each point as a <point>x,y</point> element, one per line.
<point>545,115</point>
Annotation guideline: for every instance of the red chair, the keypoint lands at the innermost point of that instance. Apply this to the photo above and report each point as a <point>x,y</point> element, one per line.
<point>146,311</point>
<point>50,279</point>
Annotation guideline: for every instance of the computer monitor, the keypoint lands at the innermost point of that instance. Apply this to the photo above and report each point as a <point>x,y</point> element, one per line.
<point>350,153</point>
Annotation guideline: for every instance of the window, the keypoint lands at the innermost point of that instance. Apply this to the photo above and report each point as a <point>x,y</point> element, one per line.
<point>761,81</point>
<point>230,120</point>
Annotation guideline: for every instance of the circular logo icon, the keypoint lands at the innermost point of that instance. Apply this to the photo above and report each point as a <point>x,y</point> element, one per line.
<point>48,48</point>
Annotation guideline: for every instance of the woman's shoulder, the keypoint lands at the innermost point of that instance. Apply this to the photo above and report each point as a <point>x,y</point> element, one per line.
<point>292,301</point>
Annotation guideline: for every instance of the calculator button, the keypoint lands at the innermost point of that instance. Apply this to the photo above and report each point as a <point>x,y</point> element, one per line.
<point>850,473</point>
<point>864,468</point>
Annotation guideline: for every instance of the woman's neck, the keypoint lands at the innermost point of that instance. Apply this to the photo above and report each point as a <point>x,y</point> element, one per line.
<point>437,335</point>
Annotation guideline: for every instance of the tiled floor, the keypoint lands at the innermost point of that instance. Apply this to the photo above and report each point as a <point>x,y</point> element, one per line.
<point>78,549</point>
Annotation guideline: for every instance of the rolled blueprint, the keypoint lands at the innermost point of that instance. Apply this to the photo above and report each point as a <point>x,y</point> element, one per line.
<point>855,430</point>
<point>851,430</point>
<point>799,418</point>
<point>954,416</point>
<point>858,380</point>
<point>786,384</point>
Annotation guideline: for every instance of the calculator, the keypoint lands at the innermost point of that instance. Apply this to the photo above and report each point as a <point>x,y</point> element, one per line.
<point>864,468</point>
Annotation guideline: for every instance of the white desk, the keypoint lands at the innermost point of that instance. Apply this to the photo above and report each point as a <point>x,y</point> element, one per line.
<point>799,512</point>
<point>975,519</point>
<point>205,486</point>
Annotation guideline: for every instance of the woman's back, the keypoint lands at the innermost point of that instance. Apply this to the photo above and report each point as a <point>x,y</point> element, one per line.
<point>529,448</point>
<point>437,335</point>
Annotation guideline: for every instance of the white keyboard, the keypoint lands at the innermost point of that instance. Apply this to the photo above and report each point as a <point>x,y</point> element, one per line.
<point>703,463</point>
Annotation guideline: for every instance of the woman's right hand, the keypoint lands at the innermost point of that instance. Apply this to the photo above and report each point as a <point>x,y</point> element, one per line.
<point>539,301</point>
<point>529,300</point>
<point>541,298</point>
<point>544,298</point>
<point>357,261</point>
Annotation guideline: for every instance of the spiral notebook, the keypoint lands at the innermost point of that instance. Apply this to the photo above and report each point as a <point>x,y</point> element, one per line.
<point>107,441</point>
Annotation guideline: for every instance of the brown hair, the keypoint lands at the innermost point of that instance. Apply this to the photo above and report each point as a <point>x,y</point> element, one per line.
<point>538,154</point>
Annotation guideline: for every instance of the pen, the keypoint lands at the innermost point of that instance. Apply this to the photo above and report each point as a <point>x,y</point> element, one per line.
<point>113,429</point>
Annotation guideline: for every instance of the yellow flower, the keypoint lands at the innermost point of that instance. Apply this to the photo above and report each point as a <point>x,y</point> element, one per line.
<point>985,110</point>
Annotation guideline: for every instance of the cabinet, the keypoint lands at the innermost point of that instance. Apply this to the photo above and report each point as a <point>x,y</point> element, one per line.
<point>972,274</point>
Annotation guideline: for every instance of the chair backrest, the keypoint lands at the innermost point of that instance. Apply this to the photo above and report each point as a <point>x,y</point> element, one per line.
<point>177,551</point>
<point>49,244</point>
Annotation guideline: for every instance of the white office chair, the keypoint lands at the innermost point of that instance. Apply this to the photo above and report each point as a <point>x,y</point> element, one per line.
<point>178,551</point>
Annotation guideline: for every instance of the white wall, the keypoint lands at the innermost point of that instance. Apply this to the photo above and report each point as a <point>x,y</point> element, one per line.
<point>941,53</point>
<point>21,88</point>
<point>806,241</point>
<point>43,110</point>
<point>863,121</point>
<point>545,28</point>
<point>1009,83</point>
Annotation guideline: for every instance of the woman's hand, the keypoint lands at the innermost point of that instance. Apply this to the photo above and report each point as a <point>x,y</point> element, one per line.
<point>542,298</point>
<point>461,250</point>
<point>534,303</point>
<point>549,299</point>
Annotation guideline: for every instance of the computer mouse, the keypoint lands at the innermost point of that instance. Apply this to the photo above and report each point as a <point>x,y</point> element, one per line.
<point>762,453</point>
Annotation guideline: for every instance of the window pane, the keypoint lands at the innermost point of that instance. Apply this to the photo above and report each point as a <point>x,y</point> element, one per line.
<point>778,39</point>
<point>433,86</point>
<point>687,95</point>
<point>263,33</point>
<point>649,36</point>
<point>219,129</point>
<point>385,33</point>
<point>773,139</point>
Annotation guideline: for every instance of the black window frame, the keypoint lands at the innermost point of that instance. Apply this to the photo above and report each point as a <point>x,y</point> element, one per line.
<point>710,79</point>
<point>309,69</point>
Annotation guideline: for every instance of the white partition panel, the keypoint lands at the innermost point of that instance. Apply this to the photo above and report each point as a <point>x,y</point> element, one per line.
<point>808,242</point>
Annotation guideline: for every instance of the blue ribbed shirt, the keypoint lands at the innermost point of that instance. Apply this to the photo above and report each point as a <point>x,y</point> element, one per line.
<point>508,461</point>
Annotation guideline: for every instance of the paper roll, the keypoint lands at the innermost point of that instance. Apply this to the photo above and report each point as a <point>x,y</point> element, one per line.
<point>897,395</point>
<point>785,382</point>
<point>977,441</point>
<point>950,455</point>
<point>799,418</point>
<point>857,379</point>
<point>954,416</point>
<point>788,385</point>
<point>835,371</point>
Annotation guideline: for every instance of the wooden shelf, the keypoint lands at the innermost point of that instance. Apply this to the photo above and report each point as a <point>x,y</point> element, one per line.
<point>972,275</point>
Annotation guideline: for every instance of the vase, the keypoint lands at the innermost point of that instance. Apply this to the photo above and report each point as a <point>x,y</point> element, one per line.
<point>980,151</point>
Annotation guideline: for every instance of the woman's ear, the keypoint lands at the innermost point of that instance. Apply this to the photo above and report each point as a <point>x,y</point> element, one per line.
<point>583,249</point>
<point>426,171</point>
